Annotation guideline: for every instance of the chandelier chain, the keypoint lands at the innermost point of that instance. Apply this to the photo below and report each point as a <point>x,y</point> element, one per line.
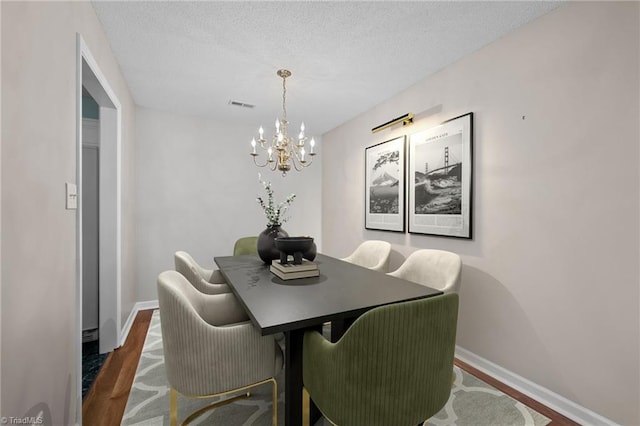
<point>284,99</point>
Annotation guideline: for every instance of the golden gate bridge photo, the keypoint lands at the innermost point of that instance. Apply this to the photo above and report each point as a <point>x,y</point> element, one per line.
<point>438,190</point>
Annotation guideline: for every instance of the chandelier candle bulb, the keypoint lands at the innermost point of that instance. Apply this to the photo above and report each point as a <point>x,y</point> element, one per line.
<point>253,145</point>
<point>312,143</point>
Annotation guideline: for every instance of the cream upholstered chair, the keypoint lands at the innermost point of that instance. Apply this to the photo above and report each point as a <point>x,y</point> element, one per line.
<point>210,349</point>
<point>434,268</point>
<point>372,254</point>
<point>206,281</point>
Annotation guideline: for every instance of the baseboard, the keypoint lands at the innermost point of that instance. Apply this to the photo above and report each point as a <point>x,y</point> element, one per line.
<point>544,396</point>
<point>139,306</point>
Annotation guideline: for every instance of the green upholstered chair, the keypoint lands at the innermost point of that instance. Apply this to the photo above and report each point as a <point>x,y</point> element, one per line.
<point>392,366</point>
<point>210,346</point>
<point>207,281</point>
<point>246,245</point>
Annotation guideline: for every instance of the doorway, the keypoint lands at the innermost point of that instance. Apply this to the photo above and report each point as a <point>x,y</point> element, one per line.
<point>103,240</point>
<point>92,359</point>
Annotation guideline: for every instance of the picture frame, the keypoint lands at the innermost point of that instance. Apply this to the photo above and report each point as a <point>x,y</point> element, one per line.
<point>441,179</point>
<point>385,185</point>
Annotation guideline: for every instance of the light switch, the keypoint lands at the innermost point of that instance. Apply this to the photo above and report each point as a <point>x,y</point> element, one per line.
<point>72,196</point>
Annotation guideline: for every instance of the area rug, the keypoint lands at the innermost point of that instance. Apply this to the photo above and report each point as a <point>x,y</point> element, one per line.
<point>472,402</point>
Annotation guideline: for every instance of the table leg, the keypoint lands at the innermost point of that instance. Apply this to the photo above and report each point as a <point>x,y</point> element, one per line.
<point>293,381</point>
<point>293,378</point>
<point>339,327</point>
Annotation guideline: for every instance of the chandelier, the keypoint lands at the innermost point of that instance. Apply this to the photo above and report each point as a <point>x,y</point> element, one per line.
<point>287,150</point>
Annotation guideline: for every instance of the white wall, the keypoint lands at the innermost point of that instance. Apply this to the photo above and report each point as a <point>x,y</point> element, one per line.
<point>198,187</point>
<point>550,282</point>
<point>1,214</point>
<point>38,241</point>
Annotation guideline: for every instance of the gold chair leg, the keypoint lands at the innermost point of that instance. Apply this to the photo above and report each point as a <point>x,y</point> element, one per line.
<point>220,403</point>
<point>211,406</point>
<point>174,407</point>
<point>305,407</point>
<point>275,402</point>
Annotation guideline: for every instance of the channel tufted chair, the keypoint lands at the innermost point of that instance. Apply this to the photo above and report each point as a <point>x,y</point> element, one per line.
<point>210,347</point>
<point>245,245</point>
<point>372,254</point>
<point>392,366</point>
<point>433,268</point>
<point>206,281</point>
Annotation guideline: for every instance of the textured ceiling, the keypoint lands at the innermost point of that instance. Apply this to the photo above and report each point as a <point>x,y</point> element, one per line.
<point>345,57</point>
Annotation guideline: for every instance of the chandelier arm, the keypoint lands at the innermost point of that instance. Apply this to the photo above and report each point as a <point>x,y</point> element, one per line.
<point>296,164</point>
<point>296,152</point>
<point>256,162</point>
<point>306,164</point>
<point>299,165</point>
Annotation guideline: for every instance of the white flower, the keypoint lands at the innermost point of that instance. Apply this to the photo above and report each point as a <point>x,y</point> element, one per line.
<point>273,212</point>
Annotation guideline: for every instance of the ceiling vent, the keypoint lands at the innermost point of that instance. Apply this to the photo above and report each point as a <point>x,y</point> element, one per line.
<point>241,104</point>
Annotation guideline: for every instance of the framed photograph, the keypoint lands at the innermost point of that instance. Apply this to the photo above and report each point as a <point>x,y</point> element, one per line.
<point>385,190</point>
<point>440,179</point>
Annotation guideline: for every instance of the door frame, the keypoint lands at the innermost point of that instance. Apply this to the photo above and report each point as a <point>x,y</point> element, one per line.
<point>89,75</point>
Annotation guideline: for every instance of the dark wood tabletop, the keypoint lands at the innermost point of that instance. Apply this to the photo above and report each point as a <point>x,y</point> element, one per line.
<point>342,290</point>
<point>340,294</point>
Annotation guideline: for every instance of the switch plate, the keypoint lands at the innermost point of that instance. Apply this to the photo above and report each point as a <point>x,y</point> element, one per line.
<point>72,196</point>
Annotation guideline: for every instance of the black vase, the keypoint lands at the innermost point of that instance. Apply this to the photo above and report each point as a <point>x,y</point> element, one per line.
<point>267,246</point>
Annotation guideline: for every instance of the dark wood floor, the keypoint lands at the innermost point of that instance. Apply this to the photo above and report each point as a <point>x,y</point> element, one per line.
<point>107,399</point>
<point>105,403</point>
<point>557,419</point>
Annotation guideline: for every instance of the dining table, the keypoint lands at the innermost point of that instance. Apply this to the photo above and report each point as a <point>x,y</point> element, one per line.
<point>340,294</point>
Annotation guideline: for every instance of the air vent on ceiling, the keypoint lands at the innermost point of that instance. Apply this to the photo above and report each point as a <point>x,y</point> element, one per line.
<point>241,104</point>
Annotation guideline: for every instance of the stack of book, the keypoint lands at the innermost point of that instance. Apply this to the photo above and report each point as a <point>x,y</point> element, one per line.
<point>289,271</point>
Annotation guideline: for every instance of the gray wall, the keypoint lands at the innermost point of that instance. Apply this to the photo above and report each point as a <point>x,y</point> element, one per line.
<point>198,187</point>
<point>550,282</point>
<point>38,244</point>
